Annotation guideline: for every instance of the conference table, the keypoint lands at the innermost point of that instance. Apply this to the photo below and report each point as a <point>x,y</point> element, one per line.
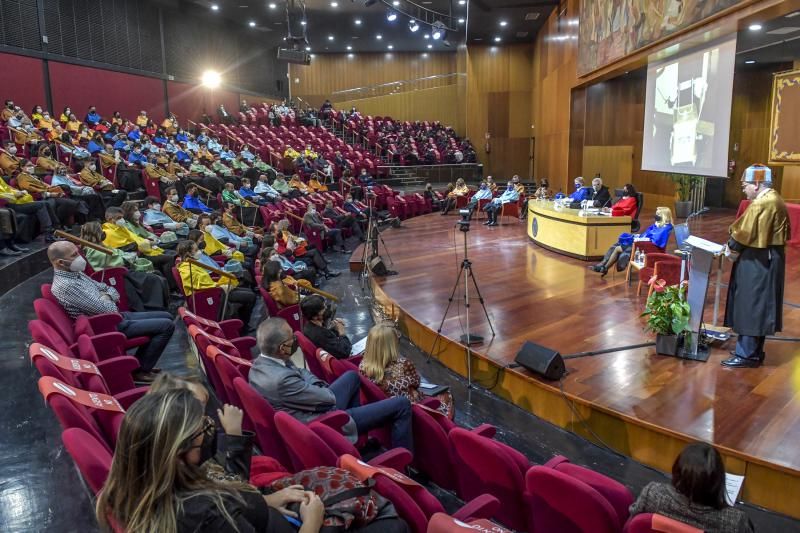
<point>573,232</point>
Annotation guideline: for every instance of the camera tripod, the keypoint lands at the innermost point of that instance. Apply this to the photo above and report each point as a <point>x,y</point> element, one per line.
<point>371,245</point>
<point>468,339</point>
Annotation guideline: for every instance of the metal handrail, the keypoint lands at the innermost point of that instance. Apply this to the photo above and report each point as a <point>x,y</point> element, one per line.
<point>377,90</point>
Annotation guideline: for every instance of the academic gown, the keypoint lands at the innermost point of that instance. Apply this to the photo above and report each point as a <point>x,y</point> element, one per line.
<point>755,291</point>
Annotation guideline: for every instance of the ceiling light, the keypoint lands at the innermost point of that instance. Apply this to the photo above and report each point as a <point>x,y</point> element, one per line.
<point>750,61</point>
<point>252,23</point>
<point>461,21</point>
<point>349,47</point>
<point>391,16</point>
<point>302,22</point>
<point>214,7</point>
<point>503,23</point>
<point>396,3</point>
<point>334,4</point>
<point>425,54</point>
<point>312,56</point>
<point>493,49</point>
<point>390,47</point>
<point>358,22</point>
<point>430,46</point>
<point>754,27</point>
<point>308,48</point>
<point>330,37</point>
<point>273,5</point>
<point>351,56</point>
<point>427,35</point>
<point>379,36</point>
<point>438,31</point>
<point>462,2</point>
<point>413,25</point>
<point>211,79</point>
<point>497,39</point>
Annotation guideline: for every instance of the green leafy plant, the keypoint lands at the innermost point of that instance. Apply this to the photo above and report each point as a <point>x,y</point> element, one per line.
<point>667,310</point>
<point>684,184</point>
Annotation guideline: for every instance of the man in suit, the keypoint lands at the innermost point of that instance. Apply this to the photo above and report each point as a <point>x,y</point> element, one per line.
<point>303,395</point>
<point>313,220</point>
<point>599,194</point>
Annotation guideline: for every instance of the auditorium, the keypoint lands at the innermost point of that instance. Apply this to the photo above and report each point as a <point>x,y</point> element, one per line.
<point>400,266</point>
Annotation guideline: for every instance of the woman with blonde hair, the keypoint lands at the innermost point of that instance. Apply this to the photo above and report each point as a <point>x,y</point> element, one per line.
<point>460,189</point>
<point>620,252</point>
<point>395,375</point>
<point>156,483</point>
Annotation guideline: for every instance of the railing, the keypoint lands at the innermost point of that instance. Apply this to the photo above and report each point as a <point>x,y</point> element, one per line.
<point>394,87</point>
<point>469,172</point>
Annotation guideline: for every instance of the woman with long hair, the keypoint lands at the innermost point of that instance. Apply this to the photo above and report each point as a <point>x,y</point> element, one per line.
<point>696,495</point>
<point>156,483</point>
<point>283,289</point>
<point>628,204</point>
<point>395,375</point>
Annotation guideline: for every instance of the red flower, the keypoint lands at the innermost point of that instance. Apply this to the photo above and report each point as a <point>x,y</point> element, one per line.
<point>657,284</point>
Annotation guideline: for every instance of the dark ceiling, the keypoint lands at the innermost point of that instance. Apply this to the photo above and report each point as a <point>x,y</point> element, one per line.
<point>332,27</point>
<point>777,41</point>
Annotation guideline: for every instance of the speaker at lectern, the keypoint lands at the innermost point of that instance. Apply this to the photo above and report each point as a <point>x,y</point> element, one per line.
<point>702,254</point>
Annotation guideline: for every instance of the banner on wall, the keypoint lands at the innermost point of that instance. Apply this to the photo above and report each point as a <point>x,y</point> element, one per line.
<point>784,133</point>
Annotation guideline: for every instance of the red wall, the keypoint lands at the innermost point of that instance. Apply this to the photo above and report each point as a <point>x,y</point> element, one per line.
<point>188,102</point>
<point>79,87</point>
<point>23,81</point>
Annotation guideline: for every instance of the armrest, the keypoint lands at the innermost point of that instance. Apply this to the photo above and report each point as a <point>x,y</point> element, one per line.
<point>117,372</point>
<point>555,461</point>
<point>133,342</point>
<point>397,458</point>
<point>231,328</point>
<point>103,346</point>
<point>484,506</point>
<point>105,322</point>
<point>431,402</point>
<point>334,419</point>
<point>485,430</point>
<point>127,398</point>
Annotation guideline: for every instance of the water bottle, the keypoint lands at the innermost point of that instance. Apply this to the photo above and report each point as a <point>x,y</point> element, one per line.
<point>637,256</point>
<point>643,257</point>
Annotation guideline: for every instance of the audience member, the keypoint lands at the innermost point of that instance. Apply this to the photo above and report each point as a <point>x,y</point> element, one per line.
<point>314,221</point>
<point>494,207</point>
<point>450,201</point>
<point>620,252</point>
<point>323,329</point>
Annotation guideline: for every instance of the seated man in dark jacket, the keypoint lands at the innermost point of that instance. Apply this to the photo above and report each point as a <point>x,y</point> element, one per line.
<point>330,337</point>
<point>599,195</point>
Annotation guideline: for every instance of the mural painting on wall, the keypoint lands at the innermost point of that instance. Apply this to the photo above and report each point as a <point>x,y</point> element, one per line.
<point>784,140</point>
<point>612,29</point>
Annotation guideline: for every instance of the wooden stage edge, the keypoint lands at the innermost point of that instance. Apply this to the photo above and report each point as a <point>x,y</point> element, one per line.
<point>767,484</point>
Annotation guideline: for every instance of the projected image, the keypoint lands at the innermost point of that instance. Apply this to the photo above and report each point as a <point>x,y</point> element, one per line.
<point>687,115</point>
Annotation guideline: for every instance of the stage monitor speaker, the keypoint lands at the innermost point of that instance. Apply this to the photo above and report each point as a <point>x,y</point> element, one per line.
<point>377,266</point>
<point>541,360</point>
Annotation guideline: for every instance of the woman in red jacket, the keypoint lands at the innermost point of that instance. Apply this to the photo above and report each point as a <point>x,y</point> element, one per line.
<point>626,205</point>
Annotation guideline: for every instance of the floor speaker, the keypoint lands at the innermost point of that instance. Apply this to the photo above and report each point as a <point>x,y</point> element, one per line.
<point>541,360</point>
<point>377,266</point>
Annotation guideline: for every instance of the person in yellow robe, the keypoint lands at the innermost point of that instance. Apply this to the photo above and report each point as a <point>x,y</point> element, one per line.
<point>236,227</point>
<point>315,184</point>
<point>27,182</point>
<point>460,189</point>
<point>23,202</point>
<point>9,162</point>
<point>119,236</point>
<point>214,246</point>
<point>142,119</point>
<point>45,163</point>
<point>73,125</point>
<point>8,111</point>
<point>755,292</point>
<point>297,183</point>
<point>282,289</point>
<point>173,209</point>
<point>240,302</point>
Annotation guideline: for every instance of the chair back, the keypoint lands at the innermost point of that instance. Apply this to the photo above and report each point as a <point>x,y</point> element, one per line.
<point>310,355</point>
<point>262,415</point>
<point>114,277</point>
<point>432,452</point>
<point>613,491</point>
<point>681,233</point>
<point>403,503</point>
<point>44,334</point>
<point>306,448</point>
<point>55,317</point>
<point>656,523</point>
<point>562,503</point>
<point>47,293</point>
<point>90,454</point>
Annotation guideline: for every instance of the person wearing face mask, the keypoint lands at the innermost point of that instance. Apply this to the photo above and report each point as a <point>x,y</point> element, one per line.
<point>213,246</point>
<point>136,157</point>
<point>153,216</point>
<point>155,173</point>
<point>145,291</point>
<point>45,164</point>
<point>22,202</point>
<point>92,117</point>
<point>297,184</point>
<point>282,288</point>
<point>581,192</point>
<point>304,396</point>
<point>484,193</point>
<point>118,235</point>
<point>89,177</point>
<point>9,162</point>
<point>628,204</point>
<point>599,195</point>
<point>192,201</point>
<point>194,278</point>
<point>343,221</point>
<point>314,221</point>
<point>8,111</point>
<point>297,269</point>
<point>282,186</point>
<point>77,192</point>
<point>510,195</point>
<point>237,228</point>
<point>63,209</point>
<point>620,252</point>
<point>756,246</point>
<point>173,209</point>
<point>202,175</point>
<point>79,295</point>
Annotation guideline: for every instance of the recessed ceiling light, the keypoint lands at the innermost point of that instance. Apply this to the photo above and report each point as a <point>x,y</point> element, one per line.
<point>427,36</point>
<point>334,4</point>
<point>503,23</point>
<point>391,16</point>
<point>308,48</point>
<point>273,5</point>
<point>358,22</point>
<point>214,7</point>
<point>349,47</point>
<point>396,3</point>
<point>302,22</point>
<point>252,23</point>
<point>330,37</point>
<point>497,39</point>
<point>390,47</point>
<point>379,36</point>
<point>430,46</point>
<point>754,27</point>
<point>461,21</point>
<point>462,2</point>
<point>413,25</point>
<point>750,62</point>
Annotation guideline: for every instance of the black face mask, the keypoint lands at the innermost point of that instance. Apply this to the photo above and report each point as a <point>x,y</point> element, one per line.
<point>201,245</point>
<point>658,218</point>
<point>102,235</point>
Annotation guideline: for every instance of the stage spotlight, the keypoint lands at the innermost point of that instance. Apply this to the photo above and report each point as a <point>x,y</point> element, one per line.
<point>438,31</point>
<point>391,16</point>
<point>211,79</point>
<point>413,25</point>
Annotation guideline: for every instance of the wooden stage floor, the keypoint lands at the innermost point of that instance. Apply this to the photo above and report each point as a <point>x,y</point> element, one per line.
<point>640,403</point>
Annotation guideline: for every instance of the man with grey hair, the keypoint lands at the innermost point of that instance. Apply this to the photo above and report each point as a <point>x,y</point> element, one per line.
<point>599,195</point>
<point>303,395</point>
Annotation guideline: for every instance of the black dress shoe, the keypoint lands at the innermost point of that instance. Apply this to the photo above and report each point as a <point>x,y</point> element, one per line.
<point>761,357</point>
<point>332,274</point>
<point>741,362</point>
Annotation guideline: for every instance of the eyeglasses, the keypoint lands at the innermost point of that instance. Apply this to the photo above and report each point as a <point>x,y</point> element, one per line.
<point>208,427</point>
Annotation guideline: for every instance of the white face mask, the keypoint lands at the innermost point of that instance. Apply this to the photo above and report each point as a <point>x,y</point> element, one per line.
<point>198,254</point>
<point>173,198</point>
<point>120,222</point>
<point>92,167</point>
<point>137,215</point>
<point>155,207</point>
<point>78,264</point>
<point>12,150</point>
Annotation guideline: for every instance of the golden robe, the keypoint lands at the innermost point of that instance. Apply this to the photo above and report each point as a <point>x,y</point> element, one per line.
<point>764,223</point>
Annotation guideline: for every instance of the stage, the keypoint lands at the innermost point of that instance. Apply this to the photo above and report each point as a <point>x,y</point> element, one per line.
<point>641,404</point>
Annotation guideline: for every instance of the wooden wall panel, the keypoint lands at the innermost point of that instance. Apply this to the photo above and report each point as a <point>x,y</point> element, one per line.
<point>440,103</point>
<point>329,73</point>
<point>613,163</point>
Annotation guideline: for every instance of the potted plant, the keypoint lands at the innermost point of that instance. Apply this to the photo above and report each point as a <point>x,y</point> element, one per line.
<point>667,313</point>
<point>684,185</point>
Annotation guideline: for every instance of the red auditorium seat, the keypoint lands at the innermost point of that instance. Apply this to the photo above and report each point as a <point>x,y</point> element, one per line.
<point>91,456</point>
<point>656,523</point>
<point>663,266</point>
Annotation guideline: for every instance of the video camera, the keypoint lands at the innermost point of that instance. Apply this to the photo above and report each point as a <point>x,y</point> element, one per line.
<point>463,224</point>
